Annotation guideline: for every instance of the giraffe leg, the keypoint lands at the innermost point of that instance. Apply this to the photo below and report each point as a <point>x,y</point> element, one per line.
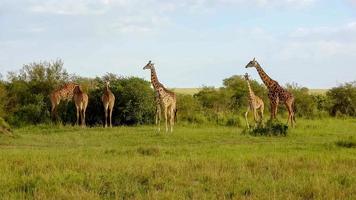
<point>290,113</point>
<point>172,118</point>
<point>106,117</point>
<point>54,109</point>
<point>158,117</point>
<point>110,115</point>
<point>83,118</point>
<point>165,117</point>
<point>246,114</point>
<point>77,123</point>
<point>169,114</point>
<point>255,116</point>
<point>262,108</point>
<point>54,113</point>
<point>272,110</point>
<point>275,107</point>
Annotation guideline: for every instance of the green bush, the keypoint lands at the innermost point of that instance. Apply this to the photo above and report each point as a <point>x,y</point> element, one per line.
<point>190,110</point>
<point>343,100</point>
<point>305,104</point>
<point>272,128</point>
<point>24,99</point>
<point>237,91</point>
<point>3,99</point>
<point>28,101</point>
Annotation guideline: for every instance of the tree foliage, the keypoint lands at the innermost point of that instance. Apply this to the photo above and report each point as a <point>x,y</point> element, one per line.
<point>343,100</point>
<point>24,99</point>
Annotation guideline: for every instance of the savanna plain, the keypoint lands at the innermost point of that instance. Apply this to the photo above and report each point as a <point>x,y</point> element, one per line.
<point>317,160</point>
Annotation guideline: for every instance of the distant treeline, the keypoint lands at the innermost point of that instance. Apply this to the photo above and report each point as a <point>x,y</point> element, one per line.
<point>24,99</point>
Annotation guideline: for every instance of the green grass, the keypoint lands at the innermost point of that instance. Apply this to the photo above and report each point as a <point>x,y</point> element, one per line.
<point>194,162</point>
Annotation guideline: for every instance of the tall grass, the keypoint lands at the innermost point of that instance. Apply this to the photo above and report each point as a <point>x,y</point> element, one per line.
<point>48,162</point>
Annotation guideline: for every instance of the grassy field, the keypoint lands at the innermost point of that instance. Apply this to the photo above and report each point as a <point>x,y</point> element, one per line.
<point>46,162</point>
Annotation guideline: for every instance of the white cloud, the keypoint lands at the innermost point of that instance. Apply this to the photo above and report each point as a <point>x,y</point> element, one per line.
<point>95,7</point>
<point>68,7</point>
<point>321,42</point>
<point>139,24</point>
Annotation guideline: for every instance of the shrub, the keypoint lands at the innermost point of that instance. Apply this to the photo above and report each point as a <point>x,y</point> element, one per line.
<point>134,101</point>
<point>237,90</point>
<point>3,99</point>
<point>190,110</point>
<point>28,101</point>
<point>343,100</point>
<point>272,128</point>
<point>305,104</point>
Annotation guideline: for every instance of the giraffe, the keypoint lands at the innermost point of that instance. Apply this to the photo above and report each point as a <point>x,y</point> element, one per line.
<point>167,99</point>
<point>276,93</point>
<point>255,103</point>
<point>108,99</point>
<point>81,102</point>
<point>63,93</point>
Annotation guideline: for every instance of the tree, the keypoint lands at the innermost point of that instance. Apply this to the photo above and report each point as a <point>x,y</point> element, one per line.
<point>343,99</point>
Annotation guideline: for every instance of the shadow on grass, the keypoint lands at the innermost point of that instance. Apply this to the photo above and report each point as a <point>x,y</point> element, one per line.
<point>346,143</point>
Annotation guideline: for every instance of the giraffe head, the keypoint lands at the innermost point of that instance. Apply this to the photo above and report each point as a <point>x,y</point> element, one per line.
<point>107,83</point>
<point>149,65</point>
<point>246,77</point>
<point>252,63</point>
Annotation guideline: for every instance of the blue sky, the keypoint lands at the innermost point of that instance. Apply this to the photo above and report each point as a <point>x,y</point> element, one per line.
<point>192,42</point>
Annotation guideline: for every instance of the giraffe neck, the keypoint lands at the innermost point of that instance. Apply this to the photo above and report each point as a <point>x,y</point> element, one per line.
<point>154,79</point>
<point>77,90</point>
<point>265,78</point>
<point>250,91</point>
<point>107,89</point>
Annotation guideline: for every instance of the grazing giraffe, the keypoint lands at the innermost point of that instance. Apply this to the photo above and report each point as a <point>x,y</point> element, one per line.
<point>108,99</point>
<point>167,99</point>
<point>255,103</point>
<point>61,94</point>
<point>276,93</point>
<point>81,102</point>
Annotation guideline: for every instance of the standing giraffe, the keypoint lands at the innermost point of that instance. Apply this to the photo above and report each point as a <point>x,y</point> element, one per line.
<point>63,93</point>
<point>276,93</point>
<point>167,99</point>
<point>81,102</point>
<point>108,99</point>
<point>255,103</point>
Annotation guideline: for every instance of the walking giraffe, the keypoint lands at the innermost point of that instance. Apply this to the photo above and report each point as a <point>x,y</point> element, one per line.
<point>61,94</point>
<point>167,99</point>
<point>81,102</point>
<point>255,104</point>
<point>108,99</point>
<point>276,93</point>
